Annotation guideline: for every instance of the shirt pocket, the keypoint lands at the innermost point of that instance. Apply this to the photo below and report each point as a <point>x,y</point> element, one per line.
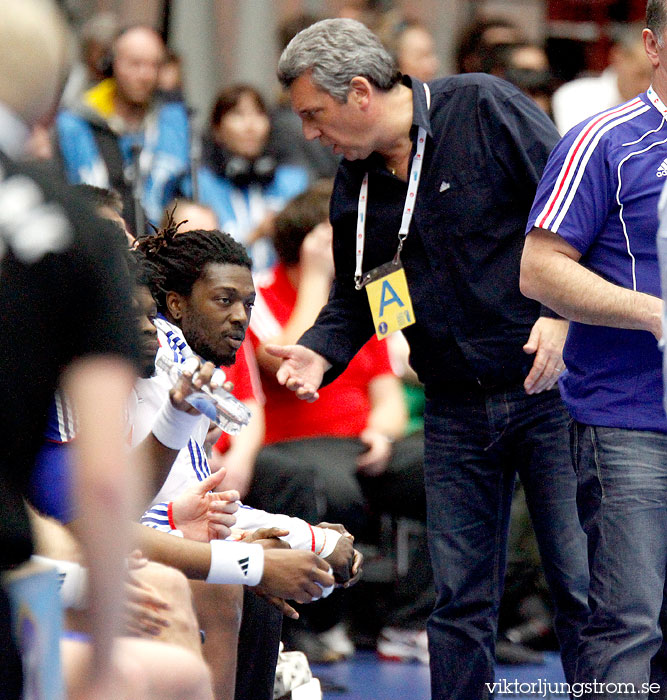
<point>470,203</point>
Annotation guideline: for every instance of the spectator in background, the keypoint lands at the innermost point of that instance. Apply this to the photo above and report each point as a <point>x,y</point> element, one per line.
<point>411,44</point>
<point>628,74</point>
<point>193,215</point>
<point>479,38</point>
<point>526,66</point>
<point>239,179</point>
<point>357,419</point>
<point>287,141</point>
<point>368,12</point>
<point>95,40</point>
<point>108,204</point>
<point>498,47</point>
<point>96,36</point>
<point>119,127</point>
<point>170,78</point>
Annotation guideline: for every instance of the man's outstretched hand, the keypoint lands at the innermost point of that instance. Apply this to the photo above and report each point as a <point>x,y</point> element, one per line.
<point>301,370</point>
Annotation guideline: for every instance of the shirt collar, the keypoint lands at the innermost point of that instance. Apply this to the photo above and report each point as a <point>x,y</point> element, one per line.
<point>420,117</point>
<point>171,339</point>
<point>100,101</point>
<point>13,133</point>
<point>420,111</point>
<point>655,101</point>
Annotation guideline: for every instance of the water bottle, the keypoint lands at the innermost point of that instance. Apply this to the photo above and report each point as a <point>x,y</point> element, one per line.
<point>221,407</point>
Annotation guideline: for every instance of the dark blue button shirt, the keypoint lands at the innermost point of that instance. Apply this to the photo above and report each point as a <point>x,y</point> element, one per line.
<point>487,146</point>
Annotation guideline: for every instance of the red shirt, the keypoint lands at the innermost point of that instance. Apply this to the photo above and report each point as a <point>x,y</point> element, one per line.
<point>247,386</point>
<point>343,407</point>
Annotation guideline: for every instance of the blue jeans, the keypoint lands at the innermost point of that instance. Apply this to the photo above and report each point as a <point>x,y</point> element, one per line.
<point>475,445</point>
<point>622,501</point>
<point>662,259</point>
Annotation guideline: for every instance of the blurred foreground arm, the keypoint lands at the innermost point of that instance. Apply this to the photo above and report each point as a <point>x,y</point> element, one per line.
<point>105,486</point>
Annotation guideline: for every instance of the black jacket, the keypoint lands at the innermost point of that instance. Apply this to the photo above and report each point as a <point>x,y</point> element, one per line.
<point>487,147</point>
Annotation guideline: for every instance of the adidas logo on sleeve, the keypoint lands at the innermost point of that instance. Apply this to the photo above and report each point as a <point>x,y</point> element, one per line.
<point>662,170</point>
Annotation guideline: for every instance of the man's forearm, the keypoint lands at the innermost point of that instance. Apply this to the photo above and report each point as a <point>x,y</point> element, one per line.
<point>104,485</point>
<point>159,459</point>
<point>190,557</point>
<point>550,275</point>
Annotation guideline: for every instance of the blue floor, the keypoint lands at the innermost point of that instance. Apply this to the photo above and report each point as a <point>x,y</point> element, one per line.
<point>366,678</point>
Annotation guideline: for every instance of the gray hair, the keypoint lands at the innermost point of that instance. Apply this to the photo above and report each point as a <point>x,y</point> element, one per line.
<point>335,51</point>
<point>656,19</point>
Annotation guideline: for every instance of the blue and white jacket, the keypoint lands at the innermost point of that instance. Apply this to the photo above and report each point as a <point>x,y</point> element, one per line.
<point>164,141</point>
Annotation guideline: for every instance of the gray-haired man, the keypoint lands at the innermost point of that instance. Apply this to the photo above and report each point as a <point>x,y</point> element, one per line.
<point>434,189</point>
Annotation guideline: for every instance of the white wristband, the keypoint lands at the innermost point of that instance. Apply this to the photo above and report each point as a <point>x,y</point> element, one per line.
<point>326,540</point>
<point>236,562</point>
<point>73,581</point>
<point>172,427</point>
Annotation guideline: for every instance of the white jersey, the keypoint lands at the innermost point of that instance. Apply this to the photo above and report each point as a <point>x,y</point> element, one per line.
<point>192,466</point>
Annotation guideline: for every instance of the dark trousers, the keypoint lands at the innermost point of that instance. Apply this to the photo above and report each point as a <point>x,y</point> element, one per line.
<point>258,648</point>
<point>474,446</point>
<point>316,479</point>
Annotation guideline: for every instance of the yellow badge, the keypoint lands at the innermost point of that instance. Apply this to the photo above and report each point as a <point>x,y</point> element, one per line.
<point>390,301</point>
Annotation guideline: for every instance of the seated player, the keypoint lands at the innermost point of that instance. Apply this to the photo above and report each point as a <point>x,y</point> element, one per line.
<point>204,312</point>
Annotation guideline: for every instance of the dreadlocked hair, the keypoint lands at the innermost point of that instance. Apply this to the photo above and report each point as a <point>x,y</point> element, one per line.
<point>145,273</point>
<point>181,256</point>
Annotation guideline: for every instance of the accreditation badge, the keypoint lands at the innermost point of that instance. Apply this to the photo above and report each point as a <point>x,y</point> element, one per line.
<point>389,298</point>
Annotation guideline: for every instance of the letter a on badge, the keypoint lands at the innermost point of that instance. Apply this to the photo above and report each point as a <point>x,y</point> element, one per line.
<point>388,296</point>
<point>390,303</point>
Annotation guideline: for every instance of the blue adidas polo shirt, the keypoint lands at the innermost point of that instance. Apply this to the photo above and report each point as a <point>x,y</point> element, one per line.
<point>600,192</point>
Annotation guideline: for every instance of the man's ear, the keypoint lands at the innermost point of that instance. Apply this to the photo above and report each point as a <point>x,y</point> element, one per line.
<point>175,305</point>
<point>360,91</point>
<point>651,46</point>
